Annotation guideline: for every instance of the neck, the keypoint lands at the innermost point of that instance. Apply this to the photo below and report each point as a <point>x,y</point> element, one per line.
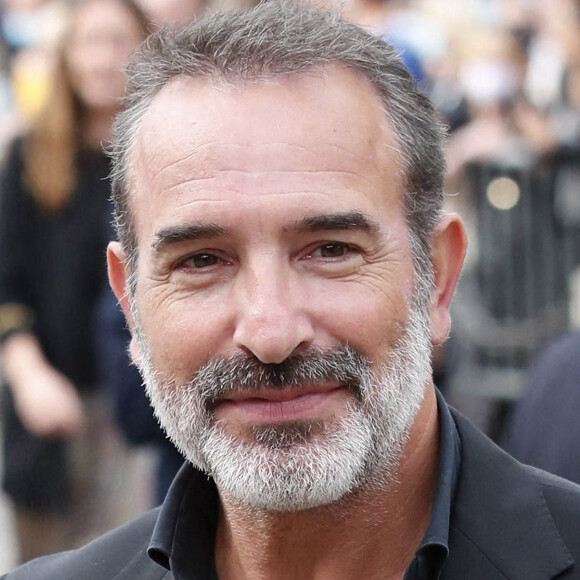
<point>98,127</point>
<point>372,533</point>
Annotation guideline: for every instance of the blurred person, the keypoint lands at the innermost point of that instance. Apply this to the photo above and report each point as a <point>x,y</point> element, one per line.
<point>31,29</point>
<point>53,228</point>
<point>549,33</point>
<point>552,80</point>
<point>544,430</point>
<point>508,162</point>
<point>553,48</point>
<point>21,23</point>
<point>502,124</point>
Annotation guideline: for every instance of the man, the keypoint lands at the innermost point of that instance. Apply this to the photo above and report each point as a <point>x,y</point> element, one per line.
<point>285,267</point>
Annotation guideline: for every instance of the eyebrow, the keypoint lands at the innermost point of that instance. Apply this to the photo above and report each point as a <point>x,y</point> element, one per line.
<point>351,220</point>
<point>186,233</point>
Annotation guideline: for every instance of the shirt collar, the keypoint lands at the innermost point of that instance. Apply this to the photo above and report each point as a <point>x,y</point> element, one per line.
<point>434,547</point>
<point>183,537</point>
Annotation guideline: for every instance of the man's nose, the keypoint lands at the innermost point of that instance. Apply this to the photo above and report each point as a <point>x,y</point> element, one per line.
<point>272,320</point>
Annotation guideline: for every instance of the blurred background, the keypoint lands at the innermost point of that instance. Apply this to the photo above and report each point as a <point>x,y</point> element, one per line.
<point>81,451</point>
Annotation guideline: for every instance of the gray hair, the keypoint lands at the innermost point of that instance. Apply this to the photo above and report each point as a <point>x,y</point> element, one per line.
<point>282,37</point>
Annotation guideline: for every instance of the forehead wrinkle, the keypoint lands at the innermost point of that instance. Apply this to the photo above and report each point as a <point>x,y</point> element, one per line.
<point>183,159</point>
<point>258,174</point>
<point>247,148</point>
<point>203,176</point>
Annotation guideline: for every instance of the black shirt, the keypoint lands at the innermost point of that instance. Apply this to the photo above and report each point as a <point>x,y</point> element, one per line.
<point>183,538</point>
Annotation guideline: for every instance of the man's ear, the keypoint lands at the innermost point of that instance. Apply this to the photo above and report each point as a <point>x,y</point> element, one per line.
<point>448,247</point>
<point>118,279</point>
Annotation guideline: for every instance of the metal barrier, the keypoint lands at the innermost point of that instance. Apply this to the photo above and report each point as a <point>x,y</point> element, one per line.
<point>514,296</point>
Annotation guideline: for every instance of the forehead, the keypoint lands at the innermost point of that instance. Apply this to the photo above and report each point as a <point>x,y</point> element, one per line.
<point>202,136</point>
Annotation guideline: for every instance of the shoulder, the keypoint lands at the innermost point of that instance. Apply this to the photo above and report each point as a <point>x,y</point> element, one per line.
<point>484,463</point>
<point>563,501</point>
<point>563,346</point>
<point>558,361</point>
<point>119,554</point>
<point>514,520</point>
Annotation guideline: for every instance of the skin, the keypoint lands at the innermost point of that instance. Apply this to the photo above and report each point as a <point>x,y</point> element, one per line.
<point>273,168</point>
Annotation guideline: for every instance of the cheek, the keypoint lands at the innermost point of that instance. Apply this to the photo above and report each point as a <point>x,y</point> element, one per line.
<point>366,318</point>
<point>183,332</point>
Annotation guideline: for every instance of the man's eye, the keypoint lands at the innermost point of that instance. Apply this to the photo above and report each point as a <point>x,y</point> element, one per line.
<point>333,250</point>
<point>203,260</point>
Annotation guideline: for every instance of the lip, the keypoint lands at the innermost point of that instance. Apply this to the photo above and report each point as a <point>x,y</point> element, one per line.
<point>279,405</point>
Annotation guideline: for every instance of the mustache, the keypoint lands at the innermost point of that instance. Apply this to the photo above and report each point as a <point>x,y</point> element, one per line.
<point>243,372</point>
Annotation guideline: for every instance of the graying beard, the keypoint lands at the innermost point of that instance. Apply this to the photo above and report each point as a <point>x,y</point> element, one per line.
<point>301,469</point>
<point>286,435</point>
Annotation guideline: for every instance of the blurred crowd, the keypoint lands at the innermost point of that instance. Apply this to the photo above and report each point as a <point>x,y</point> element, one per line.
<point>505,78</point>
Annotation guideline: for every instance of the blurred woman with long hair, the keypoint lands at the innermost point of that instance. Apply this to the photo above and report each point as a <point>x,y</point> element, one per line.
<point>54,211</point>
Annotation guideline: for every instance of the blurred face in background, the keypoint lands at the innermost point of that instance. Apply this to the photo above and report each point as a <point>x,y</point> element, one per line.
<point>104,33</point>
<point>172,12</point>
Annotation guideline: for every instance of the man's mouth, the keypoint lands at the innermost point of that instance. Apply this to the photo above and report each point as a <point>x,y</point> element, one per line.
<point>277,405</point>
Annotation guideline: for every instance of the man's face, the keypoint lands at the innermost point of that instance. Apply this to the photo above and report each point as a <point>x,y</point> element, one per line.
<point>275,284</point>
